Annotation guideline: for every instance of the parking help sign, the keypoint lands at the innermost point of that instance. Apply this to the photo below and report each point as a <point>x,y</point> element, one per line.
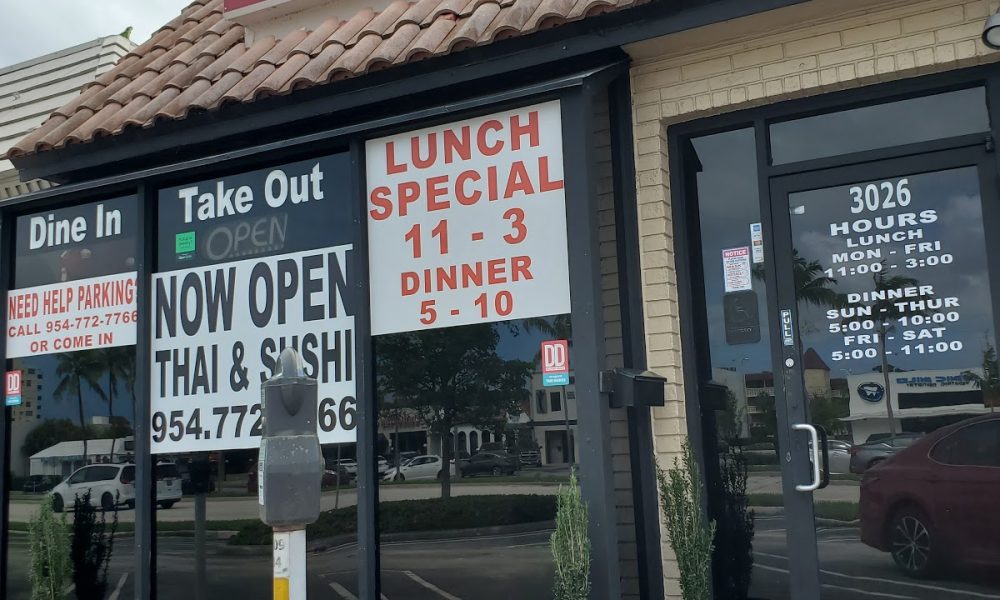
<point>555,363</point>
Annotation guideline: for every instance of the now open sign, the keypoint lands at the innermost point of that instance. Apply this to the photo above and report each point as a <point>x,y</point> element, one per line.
<point>12,388</point>
<point>555,363</point>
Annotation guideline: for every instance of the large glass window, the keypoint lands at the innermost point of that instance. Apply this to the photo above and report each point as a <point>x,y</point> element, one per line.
<point>458,521</point>
<point>247,265</point>
<point>740,431</point>
<point>71,312</point>
<point>880,126</point>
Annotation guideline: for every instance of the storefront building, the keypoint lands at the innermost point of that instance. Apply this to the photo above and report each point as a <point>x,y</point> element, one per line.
<point>779,207</point>
<point>816,187</point>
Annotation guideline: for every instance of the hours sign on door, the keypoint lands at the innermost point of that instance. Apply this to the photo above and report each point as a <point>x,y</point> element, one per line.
<point>467,222</point>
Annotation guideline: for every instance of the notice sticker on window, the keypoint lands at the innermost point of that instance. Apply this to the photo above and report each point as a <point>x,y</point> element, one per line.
<point>736,269</point>
<point>757,242</point>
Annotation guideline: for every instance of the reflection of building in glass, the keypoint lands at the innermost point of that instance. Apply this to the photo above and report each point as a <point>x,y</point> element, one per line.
<point>550,416</point>
<point>816,374</point>
<point>754,392</point>
<point>26,417</point>
<point>737,386</point>
<point>922,401</point>
<point>406,428</point>
<point>65,457</point>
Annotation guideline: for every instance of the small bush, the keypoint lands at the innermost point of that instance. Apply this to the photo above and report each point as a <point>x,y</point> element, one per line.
<point>91,549</point>
<point>435,514</point>
<point>571,545</point>
<point>690,536</point>
<point>49,548</point>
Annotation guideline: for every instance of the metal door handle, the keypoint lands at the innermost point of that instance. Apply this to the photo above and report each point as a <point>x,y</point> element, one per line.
<point>817,478</point>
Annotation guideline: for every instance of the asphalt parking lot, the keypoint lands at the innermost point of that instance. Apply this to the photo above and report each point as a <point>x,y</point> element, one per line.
<point>501,567</point>
<point>850,570</point>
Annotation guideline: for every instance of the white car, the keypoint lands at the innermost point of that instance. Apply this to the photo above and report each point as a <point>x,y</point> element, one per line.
<point>169,485</point>
<point>109,485</point>
<point>427,466</point>
<point>350,465</point>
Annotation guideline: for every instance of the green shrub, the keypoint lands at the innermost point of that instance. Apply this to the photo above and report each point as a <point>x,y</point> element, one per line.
<point>732,561</point>
<point>570,545</point>
<point>690,536</point>
<point>49,548</point>
<point>433,514</point>
<point>93,544</point>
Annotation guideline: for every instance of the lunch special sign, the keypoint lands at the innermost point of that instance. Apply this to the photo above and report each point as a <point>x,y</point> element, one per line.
<point>467,222</point>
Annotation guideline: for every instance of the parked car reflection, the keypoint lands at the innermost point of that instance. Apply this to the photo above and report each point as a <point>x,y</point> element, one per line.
<point>933,505</point>
<point>839,453</point>
<point>427,466</point>
<point>489,463</point>
<point>867,455</point>
<point>39,483</point>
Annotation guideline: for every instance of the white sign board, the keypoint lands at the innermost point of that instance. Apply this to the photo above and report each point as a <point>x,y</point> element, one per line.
<point>85,314</point>
<point>217,331</point>
<point>736,269</point>
<point>467,222</point>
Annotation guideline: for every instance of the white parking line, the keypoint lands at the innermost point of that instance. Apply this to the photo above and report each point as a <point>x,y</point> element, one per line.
<point>342,591</point>
<point>118,588</point>
<point>846,589</point>
<point>430,586</point>
<point>922,586</point>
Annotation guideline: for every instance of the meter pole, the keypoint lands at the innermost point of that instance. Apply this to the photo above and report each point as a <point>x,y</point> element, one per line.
<point>290,471</point>
<point>289,564</point>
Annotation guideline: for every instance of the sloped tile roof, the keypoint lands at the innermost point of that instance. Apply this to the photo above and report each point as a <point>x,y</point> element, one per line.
<point>199,60</point>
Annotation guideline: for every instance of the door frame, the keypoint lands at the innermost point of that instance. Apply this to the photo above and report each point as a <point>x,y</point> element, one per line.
<point>791,398</point>
<point>696,364</point>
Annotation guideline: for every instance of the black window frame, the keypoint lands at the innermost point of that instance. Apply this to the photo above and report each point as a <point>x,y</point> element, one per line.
<point>696,365</point>
<point>577,92</point>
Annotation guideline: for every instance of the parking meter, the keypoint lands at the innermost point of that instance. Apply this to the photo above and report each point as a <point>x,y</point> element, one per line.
<point>291,460</point>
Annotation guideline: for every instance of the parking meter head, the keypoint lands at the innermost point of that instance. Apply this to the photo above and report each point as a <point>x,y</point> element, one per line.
<point>200,473</point>
<point>289,399</point>
<point>291,460</point>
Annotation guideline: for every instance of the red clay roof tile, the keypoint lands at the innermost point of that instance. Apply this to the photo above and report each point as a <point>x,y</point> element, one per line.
<point>199,60</point>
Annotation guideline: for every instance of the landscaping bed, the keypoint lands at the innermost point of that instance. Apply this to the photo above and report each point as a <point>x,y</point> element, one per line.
<point>435,514</point>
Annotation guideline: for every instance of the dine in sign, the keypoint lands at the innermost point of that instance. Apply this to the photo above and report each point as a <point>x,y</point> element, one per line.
<point>467,222</point>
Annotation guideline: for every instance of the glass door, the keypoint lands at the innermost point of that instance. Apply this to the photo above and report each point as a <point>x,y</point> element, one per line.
<point>886,343</point>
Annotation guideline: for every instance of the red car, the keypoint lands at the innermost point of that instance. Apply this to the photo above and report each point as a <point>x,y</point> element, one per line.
<point>937,503</point>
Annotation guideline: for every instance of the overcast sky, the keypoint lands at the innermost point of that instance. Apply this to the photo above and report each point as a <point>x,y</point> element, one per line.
<point>33,28</point>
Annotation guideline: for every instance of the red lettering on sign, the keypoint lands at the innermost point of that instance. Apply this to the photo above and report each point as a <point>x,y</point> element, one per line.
<point>547,185</point>
<point>464,197</point>
<point>517,130</point>
<point>383,205</point>
<point>454,144</point>
<point>466,275</point>
<point>423,163</point>
<point>485,148</point>
<point>391,167</point>
<point>437,187</point>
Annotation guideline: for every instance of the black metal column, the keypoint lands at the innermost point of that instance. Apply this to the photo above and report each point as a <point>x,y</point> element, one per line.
<point>369,585</point>
<point>145,517</point>
<point>640,426</point>
<point>593,412</point>
<point>6,271</point>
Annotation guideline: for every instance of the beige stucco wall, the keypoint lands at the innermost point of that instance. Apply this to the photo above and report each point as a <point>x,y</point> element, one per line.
<point>803,50</point>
